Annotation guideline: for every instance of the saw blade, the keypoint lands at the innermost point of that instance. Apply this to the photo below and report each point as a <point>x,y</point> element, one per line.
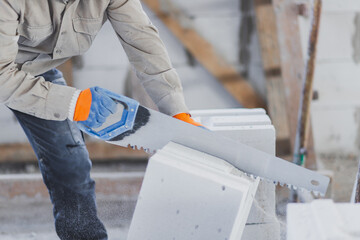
<point>153,130</point>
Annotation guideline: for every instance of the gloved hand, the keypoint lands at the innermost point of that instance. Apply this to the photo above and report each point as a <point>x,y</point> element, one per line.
<point>93,106</point>
<point>186,117</point>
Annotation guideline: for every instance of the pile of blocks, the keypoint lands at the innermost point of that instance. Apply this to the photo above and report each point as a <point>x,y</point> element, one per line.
<point>187,194</point>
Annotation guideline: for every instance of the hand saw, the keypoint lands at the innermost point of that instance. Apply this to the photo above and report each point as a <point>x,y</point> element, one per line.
<point>137,126</point>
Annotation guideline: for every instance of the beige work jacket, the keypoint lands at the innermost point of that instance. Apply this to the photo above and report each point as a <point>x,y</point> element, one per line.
<point>38,35</point>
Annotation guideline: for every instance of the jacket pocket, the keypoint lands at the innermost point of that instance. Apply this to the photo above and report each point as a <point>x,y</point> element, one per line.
<point>86,30</point>
<point>32,36</point>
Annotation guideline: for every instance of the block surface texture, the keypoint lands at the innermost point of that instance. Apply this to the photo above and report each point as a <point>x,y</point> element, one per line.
<point>251,127</point>
<point>191,195</point>
<point>323,219</point>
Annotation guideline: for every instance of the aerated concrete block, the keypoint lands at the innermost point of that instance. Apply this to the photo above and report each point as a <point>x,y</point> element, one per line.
<point>191,195</point>
<point>341,6</point>
<point>252,127</point>
<point>323,219</point>
<point>331,47</point>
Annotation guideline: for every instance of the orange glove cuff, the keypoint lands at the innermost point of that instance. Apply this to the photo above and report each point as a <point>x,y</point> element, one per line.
<point>83,105</point>
<point>186,118</point>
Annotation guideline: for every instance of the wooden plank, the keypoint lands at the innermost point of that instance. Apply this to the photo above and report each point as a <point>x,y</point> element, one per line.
<point>307,90</point>
<point>292,66</point>
<point>270,51</point>
<point>202,50</point>
<point>99,151</point>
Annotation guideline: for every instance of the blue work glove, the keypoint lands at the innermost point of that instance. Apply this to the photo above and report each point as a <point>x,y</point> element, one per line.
<point>101,106</point>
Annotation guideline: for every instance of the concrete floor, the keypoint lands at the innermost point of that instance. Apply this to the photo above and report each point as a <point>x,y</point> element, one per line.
<point>343,169</point>
<point>24,219</point>
<point>114,234</point>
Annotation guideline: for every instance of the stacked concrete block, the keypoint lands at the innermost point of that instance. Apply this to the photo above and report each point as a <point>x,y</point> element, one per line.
<point>252,127</point>
<point>323,219</point>
<point>336,111</point>
<point>187,194</point>
<point>335,114</point>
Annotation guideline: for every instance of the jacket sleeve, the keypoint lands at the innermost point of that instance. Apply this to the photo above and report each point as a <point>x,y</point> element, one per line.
<point>147,54</point>
<point>20,90</point>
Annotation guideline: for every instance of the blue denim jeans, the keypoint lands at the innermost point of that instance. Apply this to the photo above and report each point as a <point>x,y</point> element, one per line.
<point>65,166</point>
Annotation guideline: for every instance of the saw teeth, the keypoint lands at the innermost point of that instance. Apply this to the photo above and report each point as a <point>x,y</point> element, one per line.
<point>290,186</point>
<point>147,150</point>
<point>293,187</point>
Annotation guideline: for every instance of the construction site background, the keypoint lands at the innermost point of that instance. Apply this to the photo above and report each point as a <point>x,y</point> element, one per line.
<point>229,26</point>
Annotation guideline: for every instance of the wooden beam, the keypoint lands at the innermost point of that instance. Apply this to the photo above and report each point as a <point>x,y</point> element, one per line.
<point>307,91</point>
<point>292,65</point>
<point>99,151</point>
<point>203,51</point>
<point>270,51</point>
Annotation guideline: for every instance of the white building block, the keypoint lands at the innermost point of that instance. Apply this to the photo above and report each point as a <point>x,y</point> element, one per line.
<point>249,126</point>
<point>176,174</point>
<point>322,220</point>
<point>341,6</point>
<point>338,84</point>
<point>190,195</point>
<point>252,127</point>
<point>335,115</point>
<point>336,130</point>
<point>335,36</point>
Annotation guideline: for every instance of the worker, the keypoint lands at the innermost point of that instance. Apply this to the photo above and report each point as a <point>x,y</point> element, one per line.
<point>35,38</point>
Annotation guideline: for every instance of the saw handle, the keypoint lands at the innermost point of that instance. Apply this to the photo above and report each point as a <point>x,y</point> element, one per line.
<point>116,123</point>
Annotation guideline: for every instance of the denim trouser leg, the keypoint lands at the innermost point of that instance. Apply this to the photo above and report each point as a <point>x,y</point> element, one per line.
<point>65,166</point>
